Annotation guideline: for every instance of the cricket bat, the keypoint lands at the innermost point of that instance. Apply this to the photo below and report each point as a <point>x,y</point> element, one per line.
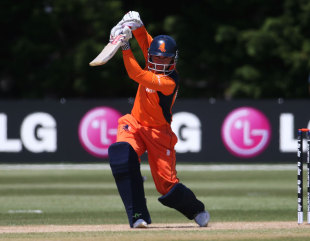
<point>108,51</point>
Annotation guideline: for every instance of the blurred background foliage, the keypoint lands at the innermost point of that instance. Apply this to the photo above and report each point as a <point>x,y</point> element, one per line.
<point>227,48</point>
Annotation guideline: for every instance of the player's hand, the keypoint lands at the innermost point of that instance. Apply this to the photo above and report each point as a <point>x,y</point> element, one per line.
<point>131,19</point>
<point>126,31</point>
<point>116,30</point>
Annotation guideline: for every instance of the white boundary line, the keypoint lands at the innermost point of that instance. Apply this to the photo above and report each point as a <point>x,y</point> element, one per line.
<point>38,211</point>
<point>179,167</point>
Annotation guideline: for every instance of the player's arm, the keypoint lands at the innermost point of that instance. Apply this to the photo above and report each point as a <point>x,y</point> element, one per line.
<point>157,82</point>
<point>144,40</point>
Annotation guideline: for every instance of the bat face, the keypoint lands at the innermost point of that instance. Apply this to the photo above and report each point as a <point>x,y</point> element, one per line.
<point>108,52</point>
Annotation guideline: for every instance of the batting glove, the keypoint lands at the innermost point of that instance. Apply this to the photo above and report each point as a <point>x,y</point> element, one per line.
<point>126,31</point>
<point>131,19</point>
<point>116,30</point>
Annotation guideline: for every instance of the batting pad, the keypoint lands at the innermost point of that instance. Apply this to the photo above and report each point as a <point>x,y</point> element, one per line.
<point>182,199</point>
<point>125,167</point>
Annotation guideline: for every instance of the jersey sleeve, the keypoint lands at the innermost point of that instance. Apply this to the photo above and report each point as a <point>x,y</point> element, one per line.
<point>158,82</point>
<point>144,40</point>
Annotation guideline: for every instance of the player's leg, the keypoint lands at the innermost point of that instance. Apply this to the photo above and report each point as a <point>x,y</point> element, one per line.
<point>125,165</point>
<point>178,196</point>
<point>174,194</point>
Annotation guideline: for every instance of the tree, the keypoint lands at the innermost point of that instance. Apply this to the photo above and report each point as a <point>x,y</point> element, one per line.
<point>227,49</point>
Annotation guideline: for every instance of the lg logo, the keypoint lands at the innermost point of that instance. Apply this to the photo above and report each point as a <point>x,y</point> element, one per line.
<point>246,132</point>
<point>37,134</point>
<point>98,130</point>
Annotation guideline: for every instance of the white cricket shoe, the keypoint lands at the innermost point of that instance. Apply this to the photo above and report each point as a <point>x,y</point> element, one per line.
<point>140,223</point>
<point>202,219</point>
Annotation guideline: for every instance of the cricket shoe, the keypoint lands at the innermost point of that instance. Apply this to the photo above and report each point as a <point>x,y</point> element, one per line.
<point>140,223</point>
<point>202,219</point>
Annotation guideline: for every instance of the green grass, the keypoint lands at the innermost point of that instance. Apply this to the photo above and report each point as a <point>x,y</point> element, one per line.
<point>91,197</point>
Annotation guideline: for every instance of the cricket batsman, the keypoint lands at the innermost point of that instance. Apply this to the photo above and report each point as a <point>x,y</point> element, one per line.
<point>148,128</point>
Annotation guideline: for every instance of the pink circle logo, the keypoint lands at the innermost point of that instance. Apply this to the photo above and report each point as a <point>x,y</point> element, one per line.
<point>98,130</point>
<point>246,132</point>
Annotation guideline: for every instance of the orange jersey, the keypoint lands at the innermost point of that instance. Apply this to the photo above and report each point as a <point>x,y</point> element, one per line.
<point>156,92</point>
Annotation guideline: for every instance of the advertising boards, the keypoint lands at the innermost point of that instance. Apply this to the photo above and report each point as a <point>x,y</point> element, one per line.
<point>208,130</point>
